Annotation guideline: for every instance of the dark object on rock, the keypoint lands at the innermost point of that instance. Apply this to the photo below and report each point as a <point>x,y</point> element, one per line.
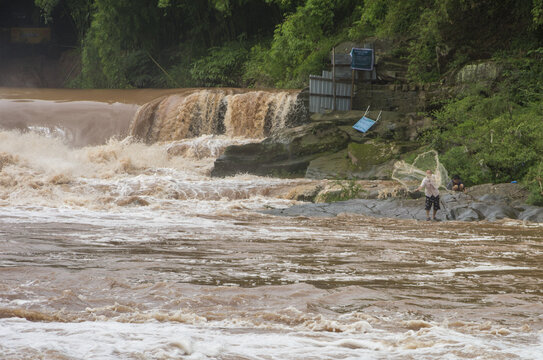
<point>415,194</point>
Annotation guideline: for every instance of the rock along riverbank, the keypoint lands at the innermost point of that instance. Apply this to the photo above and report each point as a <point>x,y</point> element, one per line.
<point>489,202</point>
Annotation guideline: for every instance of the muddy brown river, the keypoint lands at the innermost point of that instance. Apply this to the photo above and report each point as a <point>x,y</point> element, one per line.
<point>111,248</point>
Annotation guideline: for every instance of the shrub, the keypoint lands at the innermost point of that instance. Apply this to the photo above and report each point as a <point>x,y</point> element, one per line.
<point>348,189</point>
<point>222,67</point>
<point>534,182</point>
<point>300,45</point>
<point>494,136</point>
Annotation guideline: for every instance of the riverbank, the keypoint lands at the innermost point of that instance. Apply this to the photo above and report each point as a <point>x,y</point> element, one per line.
<point>379,199</point>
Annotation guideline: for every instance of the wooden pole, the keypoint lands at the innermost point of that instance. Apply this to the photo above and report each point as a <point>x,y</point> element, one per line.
<point>334,78</point>
<point>352,89</point>
<point>163,70</point>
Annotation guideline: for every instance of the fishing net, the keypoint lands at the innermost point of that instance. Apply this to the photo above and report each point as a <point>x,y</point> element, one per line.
<point>411,175</point>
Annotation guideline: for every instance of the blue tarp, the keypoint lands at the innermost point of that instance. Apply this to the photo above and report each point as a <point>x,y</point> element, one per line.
<point>363,124</point>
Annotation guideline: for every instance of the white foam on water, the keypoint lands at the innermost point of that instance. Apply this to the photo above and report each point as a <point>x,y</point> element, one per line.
<point>165,340</point>
<point>482,268</point>
<point>126,193</point>
<point>42,172</point>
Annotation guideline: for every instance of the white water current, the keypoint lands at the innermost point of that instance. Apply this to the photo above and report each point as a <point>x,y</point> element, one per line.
<point>126,250</point>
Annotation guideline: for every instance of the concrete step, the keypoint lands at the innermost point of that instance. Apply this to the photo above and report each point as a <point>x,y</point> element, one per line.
<point>391,66</point>
<point>392,61</point>
<point>391,75</point>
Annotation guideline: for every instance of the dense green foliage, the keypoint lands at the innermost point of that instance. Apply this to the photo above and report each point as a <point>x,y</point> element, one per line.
<point>489,132</point>
<point>79,11</point>
<point>439,35</point>
<point>167,42</point>
<point>301,43</point>
<point>496,134</point>
<point>223,66</point>
<point>279,42</point>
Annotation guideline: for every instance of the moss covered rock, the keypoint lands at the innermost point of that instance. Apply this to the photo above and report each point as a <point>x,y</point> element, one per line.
<point>370,153</point>
<point>371,160</point>
<point>485,71</point>
<point>286,154</point>
<point>330,166</point>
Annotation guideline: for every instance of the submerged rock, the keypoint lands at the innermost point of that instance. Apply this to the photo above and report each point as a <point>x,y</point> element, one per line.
<point>370,207</point>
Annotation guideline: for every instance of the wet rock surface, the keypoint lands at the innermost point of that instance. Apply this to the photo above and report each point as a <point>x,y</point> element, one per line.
<point>287,154</point>
<point>475,206</point>
<point>327,147</point>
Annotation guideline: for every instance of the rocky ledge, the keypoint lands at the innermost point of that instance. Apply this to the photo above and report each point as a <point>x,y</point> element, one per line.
<point>327,147</point>
<point>483,202</point>
<point>286,154</point>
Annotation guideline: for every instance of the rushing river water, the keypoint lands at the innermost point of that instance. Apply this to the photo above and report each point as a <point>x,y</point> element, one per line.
<point>125,250</point>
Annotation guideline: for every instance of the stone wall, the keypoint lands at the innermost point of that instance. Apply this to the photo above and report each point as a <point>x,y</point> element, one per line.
<point>399,98</point>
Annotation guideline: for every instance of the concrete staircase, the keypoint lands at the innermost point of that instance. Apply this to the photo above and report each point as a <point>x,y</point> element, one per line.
<point>391,70</point>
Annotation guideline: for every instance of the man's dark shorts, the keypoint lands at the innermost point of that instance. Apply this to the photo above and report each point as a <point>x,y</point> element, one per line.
<point>432,200</point>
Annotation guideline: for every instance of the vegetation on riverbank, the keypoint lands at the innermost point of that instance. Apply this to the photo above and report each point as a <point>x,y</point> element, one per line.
<point>495,133</point>
<point>278,43</point>
<point>488,132</point>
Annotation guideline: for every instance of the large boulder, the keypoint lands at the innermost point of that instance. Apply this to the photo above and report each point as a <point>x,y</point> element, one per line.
<point>494,211</point>
<point>371,160</point>
<point>330,166</point>
<point>532,214</point>
<point>480,72</point>
<point>286,154</point>
<point>490,206</point>
<point>370,153</point>
<point>513,194</point>
<point>465,213</point>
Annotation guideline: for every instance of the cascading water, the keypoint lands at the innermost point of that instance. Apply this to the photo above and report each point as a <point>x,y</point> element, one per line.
<point>186,113</point>
<point>253,114</point>
<point>47,160</point>
<point>77,123</point>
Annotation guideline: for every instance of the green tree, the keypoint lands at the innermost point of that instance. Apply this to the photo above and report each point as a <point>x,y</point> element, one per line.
<point>222,67</point>
<point>301,44</point>
<point>113,36</point>
<point>537,12</point>
<point>79,11</point>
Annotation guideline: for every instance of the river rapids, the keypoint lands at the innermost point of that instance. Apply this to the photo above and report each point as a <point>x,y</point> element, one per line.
<point>115,243</point>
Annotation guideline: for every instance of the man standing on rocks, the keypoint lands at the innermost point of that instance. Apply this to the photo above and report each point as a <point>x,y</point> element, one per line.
<point>432,194</point>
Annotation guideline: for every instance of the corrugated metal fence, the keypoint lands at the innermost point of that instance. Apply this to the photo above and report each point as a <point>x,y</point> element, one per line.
<point>321,93</point>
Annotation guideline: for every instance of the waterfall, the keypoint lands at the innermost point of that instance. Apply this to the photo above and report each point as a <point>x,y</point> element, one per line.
<point>253,114</point>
